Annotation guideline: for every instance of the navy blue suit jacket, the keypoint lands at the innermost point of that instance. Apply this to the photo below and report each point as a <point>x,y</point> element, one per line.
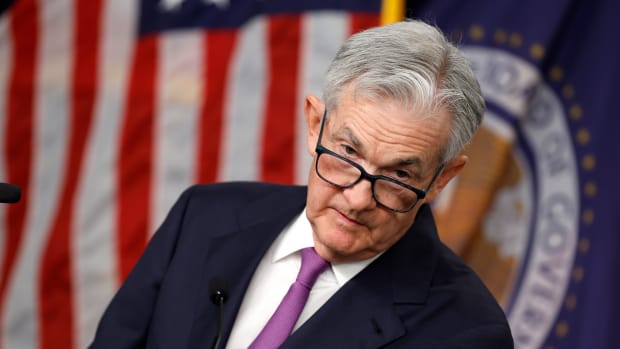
<point>418,294</point>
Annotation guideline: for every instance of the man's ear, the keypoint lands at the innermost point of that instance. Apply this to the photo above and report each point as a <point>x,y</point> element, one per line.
<point>313,110</point>
<point>450,170</point>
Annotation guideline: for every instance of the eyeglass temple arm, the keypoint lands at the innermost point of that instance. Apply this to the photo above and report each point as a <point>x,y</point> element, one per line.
<point>322,127</point>
<point>439,169</point>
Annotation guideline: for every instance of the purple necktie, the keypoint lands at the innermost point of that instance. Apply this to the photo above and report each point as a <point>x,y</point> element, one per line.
<point>281,324</point>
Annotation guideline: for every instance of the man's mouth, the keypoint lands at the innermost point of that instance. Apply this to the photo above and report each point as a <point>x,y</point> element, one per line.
<point>348,219</point>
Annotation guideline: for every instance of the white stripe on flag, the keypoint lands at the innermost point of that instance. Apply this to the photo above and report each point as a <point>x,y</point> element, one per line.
<point>179,91</point>
<point>94,243</point>
<point>322,35</point>
<point>5,58</point>
<point>49,155</point>
<point>241,138</point>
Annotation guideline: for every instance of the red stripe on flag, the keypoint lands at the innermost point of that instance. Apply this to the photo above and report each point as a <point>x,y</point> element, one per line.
<point>219,48</point>
<point>361,21</point>
<point>18,143</point>
<point>56,291</point>
<point>135,160</point>
<point>278,151</point>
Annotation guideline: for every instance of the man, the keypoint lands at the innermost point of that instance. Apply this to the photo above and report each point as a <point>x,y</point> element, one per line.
<point>400,103</point>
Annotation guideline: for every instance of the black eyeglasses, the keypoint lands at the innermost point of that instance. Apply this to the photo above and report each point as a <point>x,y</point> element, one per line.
<point>344,173</point>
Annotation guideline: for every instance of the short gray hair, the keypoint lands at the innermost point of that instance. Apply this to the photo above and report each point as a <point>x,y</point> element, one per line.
<point>413,63</point>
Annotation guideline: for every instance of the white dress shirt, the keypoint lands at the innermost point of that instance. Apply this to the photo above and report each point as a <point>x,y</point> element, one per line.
<point>274,275</point>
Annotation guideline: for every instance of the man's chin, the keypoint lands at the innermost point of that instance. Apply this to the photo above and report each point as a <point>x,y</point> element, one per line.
<point>340,250</point>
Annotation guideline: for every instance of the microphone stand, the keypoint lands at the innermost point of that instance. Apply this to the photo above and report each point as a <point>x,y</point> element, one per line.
<point>218,298</point>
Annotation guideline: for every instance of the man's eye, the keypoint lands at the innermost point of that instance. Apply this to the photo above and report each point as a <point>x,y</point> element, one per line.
<point>400,174</point>
<point>348,150</point>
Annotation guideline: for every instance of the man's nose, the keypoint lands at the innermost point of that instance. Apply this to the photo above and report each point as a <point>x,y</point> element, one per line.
<point>359,196</point>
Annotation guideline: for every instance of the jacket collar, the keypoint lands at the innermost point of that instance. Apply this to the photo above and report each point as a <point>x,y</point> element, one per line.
<point>366,309</point>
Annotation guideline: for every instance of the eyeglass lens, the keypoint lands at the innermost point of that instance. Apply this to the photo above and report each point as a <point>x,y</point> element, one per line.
<point>343,174</point>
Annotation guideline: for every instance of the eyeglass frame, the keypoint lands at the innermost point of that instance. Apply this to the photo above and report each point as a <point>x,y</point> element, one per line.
<point>420,193</point>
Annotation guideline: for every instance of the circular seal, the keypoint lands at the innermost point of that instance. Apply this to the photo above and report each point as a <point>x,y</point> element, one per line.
<point>521,191</point>
<point>534,220</point>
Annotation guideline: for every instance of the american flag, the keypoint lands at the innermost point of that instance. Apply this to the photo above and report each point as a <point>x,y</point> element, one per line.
<point>110,108</point>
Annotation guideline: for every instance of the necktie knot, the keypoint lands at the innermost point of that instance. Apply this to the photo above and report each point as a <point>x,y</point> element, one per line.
<point>312,265</point>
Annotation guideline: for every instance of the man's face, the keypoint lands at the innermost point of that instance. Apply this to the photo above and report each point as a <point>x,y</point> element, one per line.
<point>385,139</point>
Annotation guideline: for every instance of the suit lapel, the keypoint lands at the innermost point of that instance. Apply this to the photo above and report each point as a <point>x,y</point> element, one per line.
<point>233,258</point>
<point>367,311</point>
<point>359,315</point>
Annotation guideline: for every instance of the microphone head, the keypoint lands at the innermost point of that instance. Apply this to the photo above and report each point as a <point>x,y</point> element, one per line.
<point>9,193</point>
<point>218,290</point>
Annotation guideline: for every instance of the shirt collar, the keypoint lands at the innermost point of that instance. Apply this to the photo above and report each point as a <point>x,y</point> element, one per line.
<point>298,235</point>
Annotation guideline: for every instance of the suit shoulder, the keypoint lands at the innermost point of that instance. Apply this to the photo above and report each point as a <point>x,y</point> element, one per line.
<point>237,193</point>
<point>228,197</point>
<point>471,298</point>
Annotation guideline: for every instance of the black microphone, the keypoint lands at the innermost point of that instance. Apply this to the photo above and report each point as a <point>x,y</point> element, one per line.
<point>217,291</point>
<point>9,193</point>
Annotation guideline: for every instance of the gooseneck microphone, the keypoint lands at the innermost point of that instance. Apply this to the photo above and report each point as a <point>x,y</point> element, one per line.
<point>217,290</point>
<point>9,193</point>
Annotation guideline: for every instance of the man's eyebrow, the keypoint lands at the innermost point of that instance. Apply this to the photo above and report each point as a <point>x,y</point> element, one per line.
<point>347,133</point>
<point>412,161</point>
<point>415,162</point>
